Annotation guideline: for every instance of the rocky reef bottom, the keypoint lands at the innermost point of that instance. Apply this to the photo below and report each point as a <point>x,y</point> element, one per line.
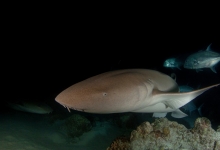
<point>163,134</point>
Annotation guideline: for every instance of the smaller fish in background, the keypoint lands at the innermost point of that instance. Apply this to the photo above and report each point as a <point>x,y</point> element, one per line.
<point>31,107</point>
<point>173,63</point>
<point>202,59</point>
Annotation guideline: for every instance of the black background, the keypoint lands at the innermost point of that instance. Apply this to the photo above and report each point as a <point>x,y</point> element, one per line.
<point>47,50</point>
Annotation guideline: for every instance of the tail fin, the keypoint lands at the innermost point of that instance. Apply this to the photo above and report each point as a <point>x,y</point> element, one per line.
<point>177,100</point>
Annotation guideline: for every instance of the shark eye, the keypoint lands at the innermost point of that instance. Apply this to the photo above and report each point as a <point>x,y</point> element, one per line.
<point>104,94</point>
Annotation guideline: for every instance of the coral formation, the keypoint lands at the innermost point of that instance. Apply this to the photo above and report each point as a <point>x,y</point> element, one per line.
<point>120,143</point>
<point>163,134</point>
<point>76,125</point>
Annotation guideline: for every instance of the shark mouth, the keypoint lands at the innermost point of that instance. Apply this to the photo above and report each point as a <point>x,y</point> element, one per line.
<point>68,108</point>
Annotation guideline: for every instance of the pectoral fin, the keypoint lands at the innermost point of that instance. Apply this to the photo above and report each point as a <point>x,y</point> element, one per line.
<point>159,115</point>
<point>178,114</point>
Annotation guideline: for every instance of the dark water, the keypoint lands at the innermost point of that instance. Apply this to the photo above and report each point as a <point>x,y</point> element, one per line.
<point>42,74</point>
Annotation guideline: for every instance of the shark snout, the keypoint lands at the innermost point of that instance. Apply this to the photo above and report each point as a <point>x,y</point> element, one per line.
<point>68,107</point>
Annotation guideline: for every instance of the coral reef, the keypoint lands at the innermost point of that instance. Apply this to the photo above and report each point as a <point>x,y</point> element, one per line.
<point>163,134</point>
<point>120,143</point>
<point>76,125</point>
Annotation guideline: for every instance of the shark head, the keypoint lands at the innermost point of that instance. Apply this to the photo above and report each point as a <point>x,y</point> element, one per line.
<point>110,92</point>
<point>85,99</point>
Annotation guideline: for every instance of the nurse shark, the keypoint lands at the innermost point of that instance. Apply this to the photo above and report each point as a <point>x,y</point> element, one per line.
<point>128,90</point>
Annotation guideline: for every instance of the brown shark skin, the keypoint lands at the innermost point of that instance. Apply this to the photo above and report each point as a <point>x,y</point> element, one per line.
<point>118,91</point>
<point>115,91</point>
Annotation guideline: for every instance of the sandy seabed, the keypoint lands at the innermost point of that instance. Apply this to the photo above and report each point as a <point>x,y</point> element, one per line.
<point>26,131</point>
